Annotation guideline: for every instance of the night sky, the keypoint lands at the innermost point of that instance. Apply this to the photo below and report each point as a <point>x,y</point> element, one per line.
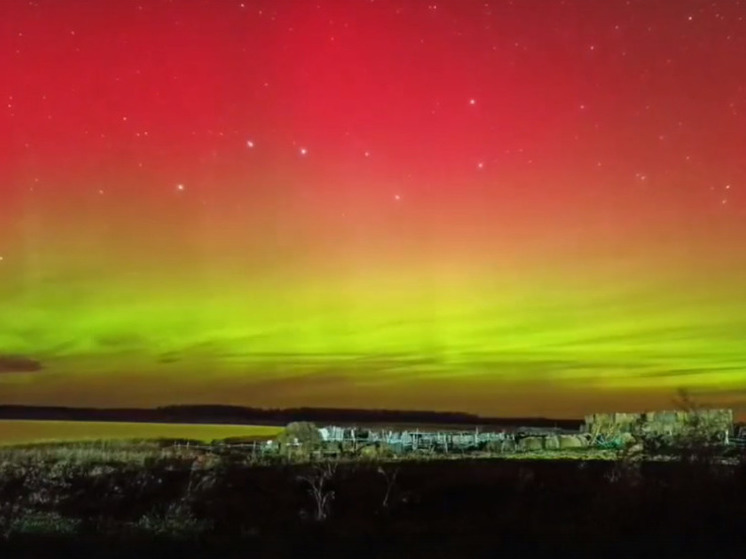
<point>530,207</point>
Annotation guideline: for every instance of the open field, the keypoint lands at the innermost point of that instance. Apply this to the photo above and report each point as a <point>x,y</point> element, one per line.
<point>13,432</point>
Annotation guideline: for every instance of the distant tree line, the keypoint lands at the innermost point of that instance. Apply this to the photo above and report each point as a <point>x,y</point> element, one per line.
<point>268,416</point>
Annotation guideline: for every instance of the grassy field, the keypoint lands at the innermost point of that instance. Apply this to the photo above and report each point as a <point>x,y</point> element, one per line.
<point>14,432</point>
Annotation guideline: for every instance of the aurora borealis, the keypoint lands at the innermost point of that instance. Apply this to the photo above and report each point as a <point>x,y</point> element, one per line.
<point>509,208</point>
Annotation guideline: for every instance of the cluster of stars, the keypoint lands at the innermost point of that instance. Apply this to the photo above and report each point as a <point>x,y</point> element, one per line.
<point>602,100</point>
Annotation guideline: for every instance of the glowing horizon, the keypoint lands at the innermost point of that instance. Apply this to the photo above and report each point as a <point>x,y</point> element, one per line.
<point>532,209</point>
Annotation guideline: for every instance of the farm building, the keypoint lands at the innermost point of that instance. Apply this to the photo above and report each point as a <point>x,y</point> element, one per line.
<point>600,431</point>
<point>410,439</point>
<point>449,441</point>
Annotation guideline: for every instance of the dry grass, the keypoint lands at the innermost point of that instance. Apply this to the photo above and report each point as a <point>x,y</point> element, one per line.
<point>80,442</point>
<point>14,432</point>
<point>92,452</point>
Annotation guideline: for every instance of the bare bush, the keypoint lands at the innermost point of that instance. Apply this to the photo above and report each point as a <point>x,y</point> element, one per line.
<point>626,467</point>
<point>319,479</point>
<point>697,443</point>
<point>389,475</point>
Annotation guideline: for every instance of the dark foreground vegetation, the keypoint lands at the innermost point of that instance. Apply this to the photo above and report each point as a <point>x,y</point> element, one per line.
<point>160,499</point>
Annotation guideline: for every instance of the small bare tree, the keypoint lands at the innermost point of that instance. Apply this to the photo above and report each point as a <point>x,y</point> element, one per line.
<point>389,475</point>
<point>696,443</point>
<point>319,479</point>
<point>626,467</point>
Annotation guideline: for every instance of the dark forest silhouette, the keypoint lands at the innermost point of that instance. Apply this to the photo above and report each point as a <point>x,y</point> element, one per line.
<point>222,414</point>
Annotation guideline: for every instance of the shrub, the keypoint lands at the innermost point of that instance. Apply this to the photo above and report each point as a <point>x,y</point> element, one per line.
<point>304,432</point>
<point>176,521</point>
<point>46,523</point>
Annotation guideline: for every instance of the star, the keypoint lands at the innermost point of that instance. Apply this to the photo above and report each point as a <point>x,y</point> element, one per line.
<point>180,187</point>
<point>472,101</point>
<point>249,144</point>
<point>480,165</point>
<point>303,151</point>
